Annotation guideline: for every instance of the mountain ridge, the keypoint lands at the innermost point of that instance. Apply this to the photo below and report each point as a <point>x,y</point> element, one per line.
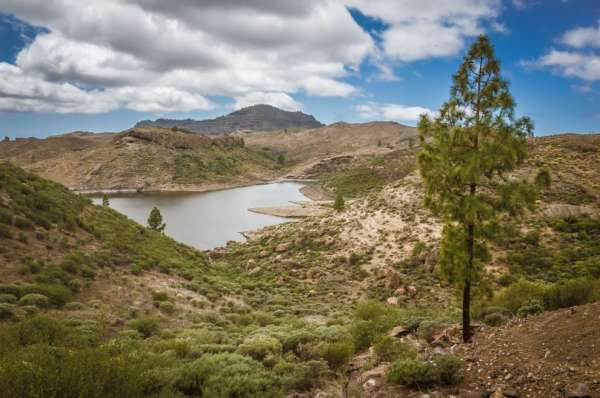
<point>260,117</point>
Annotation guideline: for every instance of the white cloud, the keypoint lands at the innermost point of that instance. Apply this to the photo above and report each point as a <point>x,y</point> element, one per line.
<point>280,100</point>
<point>394,112</point>
<point>572,64</point>
<point>582,37</point>
<point>188,48</point>
<point>423,29</point>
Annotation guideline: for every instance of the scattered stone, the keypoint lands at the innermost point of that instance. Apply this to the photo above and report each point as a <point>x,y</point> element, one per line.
<point>263,254</point>
<point>510,393</point>
<point>254,271</point>
<point>392,300</point>
<point>370,384</point>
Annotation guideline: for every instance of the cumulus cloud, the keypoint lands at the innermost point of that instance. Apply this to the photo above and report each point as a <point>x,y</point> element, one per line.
<point>394,112</point>
<point>423,29</point>
<point>582,37</point>
<point>580,61</point>
<point>280,100</point>
<point>158,56</point>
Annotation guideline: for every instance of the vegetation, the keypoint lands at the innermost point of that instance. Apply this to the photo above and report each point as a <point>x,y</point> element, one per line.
<point>155,220</point>
<point>465,153</point>
<point>339,204</point>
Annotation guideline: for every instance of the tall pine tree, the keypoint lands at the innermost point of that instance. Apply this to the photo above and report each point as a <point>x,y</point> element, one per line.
<point>466,153</point>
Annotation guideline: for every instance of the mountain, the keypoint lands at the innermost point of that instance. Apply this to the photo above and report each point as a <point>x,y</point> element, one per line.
<point>255,118</point>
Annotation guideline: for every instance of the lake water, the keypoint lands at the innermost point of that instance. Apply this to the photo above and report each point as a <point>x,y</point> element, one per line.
<point>209,219</point>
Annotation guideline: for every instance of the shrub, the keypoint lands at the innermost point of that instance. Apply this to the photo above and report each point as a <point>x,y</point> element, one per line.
<point>447,367</point>
<point>6,311</point>
<point>74,306</point>
<point>519,294</point>
<point>412,373</point>
<point>58,372</point>
<point>5,232</point>
<point>39,330</point>
<point>569,293</point>
<point>337,354</point>
<point>8,298</point>
<point>261,348</point>
<point>11,288</point>
<point>160,296</point>
<point>39,300</point>
<point>146,326</point>
<point>166,307</point>
<point>427,329</point>
<point>533,308</point>
<point>58,295</point>
<point>299,376</point>
<point>390,348</point>
<point>495,319</point>
<point>227,375</point>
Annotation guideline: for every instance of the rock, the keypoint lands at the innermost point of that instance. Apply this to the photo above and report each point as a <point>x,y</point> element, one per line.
<point>392,300</point>
<point>283,247</point>
<point>399,331</point>
<point>510,393</point>
<point>322,394</point>
<point>263,254</point>
<point>254,271</point>
<point>578,390</point>
<point>400,291</point>
<point>370,384</point>
<point>498,393</point>
<point>412,291</point>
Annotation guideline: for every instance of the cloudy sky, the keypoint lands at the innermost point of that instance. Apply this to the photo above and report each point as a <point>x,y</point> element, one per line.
<point>102,65</point>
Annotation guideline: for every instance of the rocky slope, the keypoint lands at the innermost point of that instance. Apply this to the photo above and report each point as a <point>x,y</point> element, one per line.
<point>252,118</point>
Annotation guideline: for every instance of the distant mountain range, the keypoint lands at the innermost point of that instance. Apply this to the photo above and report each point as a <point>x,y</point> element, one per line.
<point>254,118</point>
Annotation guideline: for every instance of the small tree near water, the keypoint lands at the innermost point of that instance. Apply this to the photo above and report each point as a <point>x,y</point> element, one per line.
<point>105,201</point>
<point>155,220</point>
<point>339,203</point>
<point>466,153</point>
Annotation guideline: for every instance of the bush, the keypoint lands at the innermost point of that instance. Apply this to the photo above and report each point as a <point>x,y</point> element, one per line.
<point>299,376</point>
<point>5,232</point>
<point>389,349</point>
<point>74,306</point>
<point>519,294</point>
<point>447,368</point>
<point>58,295</point>
<point>227,375</point>
<point>166,307</point>
<point>569,293</point>
<point>38,330</point>
<point>428,328</point>
<point>160,296</point>
<point>145,326</point>
<point>43,371</point>
<point>533,308</point>
<point>6,311</point>
<point>39,300</point>
<point>8,298</point>
<point>495,319</point>
<point>412,373</point>
<point>261,348</point>
<point>337,354</point>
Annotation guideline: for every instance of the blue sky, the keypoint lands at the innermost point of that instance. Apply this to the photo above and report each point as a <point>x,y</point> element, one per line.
<point>65,66</point>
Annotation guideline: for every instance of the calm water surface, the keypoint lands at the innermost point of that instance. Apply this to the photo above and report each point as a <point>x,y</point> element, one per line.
<point>207,220</point>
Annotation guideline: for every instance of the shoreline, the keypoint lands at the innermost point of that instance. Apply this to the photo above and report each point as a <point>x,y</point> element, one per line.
<point>312,193</point>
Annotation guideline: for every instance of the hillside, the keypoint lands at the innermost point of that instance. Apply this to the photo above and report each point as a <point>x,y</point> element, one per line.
<point>311,308</point>
<point>252,118</point>
<point>141,159</point>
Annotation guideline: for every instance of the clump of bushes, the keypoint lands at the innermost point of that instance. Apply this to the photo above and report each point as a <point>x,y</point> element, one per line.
<point>443,369</point>
<point>261,348</point>
<point>39,300</point>
<point>389,349</point>
<point>145,326</point>
<point>6,311</point>
<point>337,353</point>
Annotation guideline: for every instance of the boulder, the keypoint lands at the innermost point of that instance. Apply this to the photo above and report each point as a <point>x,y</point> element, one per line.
<point>392,300</point>
<point>254,271</point>
<point>263,254</point>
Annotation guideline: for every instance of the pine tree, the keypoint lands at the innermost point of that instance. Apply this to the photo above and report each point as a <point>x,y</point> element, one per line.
<point>339,203</point>
<point>466,153</point>
<point>105,201</point>
<point>155,220</point>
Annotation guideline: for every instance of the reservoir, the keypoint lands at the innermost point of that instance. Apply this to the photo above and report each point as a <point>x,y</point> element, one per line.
<point>209,219</point>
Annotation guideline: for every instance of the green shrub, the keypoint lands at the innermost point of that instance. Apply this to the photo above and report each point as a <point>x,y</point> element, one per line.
<point>160,296</point>
<point>227,375</point>
<point>519,294</point>
<point>261,348</point>
<point>533,308</point>
<point>428,328</point>
<point>495,319</point>
<point>6,311</point>
<point>338,353</point>
<point>390,348</point>
<point>74,306</point>
<point>5,232</point>
<point>39,300</point>
<point>38,330</point>
<point>447,368</point>
<point>43,371</point>
<point>58,295</point>
<point>412,373</point>
<point>145,326</point>
<point>569,293</point>
<point>8,298</point>
<point>301,376</point>
<point>166,307</point>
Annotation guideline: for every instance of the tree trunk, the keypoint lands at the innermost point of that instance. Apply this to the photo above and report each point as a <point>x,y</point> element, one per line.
<point>466,308</point>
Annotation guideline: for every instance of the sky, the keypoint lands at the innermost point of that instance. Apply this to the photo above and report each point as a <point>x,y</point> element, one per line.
<point>103,65</point>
